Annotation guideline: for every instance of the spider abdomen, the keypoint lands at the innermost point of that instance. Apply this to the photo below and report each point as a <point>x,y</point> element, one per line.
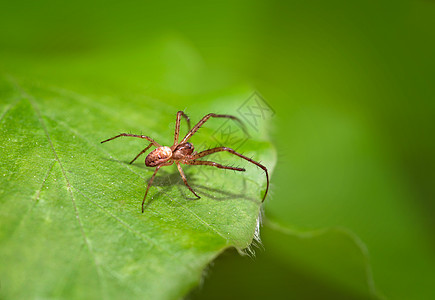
<point>158,156</point>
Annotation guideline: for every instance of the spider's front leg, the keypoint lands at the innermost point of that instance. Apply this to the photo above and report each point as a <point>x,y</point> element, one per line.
<point>205,118</point>
<point>177,126</point>
<point>194,158</point>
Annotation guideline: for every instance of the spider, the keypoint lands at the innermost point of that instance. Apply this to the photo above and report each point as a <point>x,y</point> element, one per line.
<point>183,152</point>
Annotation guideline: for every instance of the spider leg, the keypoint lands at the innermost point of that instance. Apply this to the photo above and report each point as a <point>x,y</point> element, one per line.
<point>177,125</point>
<point>204,119</point>
<point>150,182</point>
<point>184,179</point>
<point>220,149</point>
<point>213,164</point>
<point>134,135</point>
<point>142,152</point>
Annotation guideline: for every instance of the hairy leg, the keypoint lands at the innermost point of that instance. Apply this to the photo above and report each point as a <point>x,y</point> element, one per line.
<point>134,135</point>
<point>150,182</point>
<point>177,126</point>
<point>184,179</point>
<point>142,152</point>
<point>220,149</point>
<point>204,119</point>
<point>213,164</point>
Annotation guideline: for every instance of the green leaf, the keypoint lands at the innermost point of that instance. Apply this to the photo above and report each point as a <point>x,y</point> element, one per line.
<point>70,219</point>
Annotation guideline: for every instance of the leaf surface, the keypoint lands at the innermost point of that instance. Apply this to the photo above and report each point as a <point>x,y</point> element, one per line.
<point>71,224</point>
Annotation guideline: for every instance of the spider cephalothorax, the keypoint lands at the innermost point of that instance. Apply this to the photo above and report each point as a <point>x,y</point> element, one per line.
<point>183,152</point>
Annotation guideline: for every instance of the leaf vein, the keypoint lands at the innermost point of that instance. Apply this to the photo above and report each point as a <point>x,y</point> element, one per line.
<point>35,108</point>
<point>123,223</point>
<point>8,108</point>
<point>38,193</point>
<point>195,215</point>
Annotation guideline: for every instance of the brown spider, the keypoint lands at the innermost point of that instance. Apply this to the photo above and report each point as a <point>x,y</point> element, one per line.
<point>183,152</point>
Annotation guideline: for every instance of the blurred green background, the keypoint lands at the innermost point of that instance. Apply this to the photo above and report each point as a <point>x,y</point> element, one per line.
<point>352,87</point>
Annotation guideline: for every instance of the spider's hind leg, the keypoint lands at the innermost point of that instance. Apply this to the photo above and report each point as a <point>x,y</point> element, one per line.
<point>142,152</point>
<point>150,182</point>
<point>136,136</point>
